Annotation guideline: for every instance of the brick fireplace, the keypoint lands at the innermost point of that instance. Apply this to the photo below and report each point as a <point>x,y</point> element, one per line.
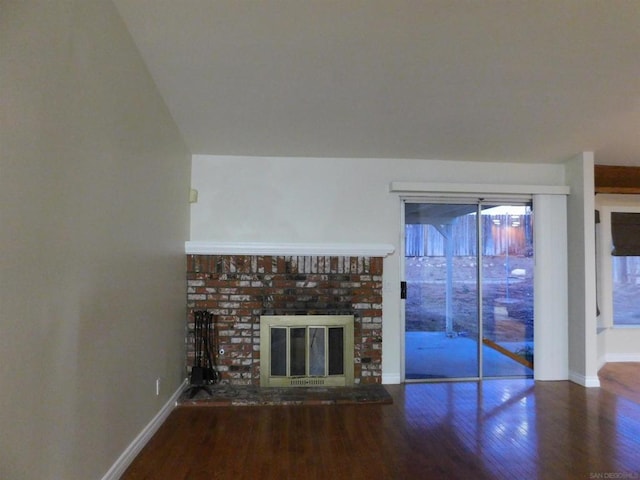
<point>238,289</point>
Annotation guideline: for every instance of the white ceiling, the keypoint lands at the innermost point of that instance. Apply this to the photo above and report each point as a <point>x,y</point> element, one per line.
<point>496,80</point>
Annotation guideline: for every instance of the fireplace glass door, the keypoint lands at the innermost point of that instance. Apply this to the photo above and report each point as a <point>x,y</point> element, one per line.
<point>302,352</point>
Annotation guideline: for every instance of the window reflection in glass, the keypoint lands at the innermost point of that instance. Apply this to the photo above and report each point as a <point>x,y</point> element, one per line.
<point>316,351</point>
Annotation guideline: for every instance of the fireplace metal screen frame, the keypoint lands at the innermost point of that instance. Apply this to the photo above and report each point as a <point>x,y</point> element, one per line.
<point>269,321</point>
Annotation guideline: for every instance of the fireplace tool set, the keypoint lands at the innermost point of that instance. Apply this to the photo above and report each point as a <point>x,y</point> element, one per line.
<point>203,372</point>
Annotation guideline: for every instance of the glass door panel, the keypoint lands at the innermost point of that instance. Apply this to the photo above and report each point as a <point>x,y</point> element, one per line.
<point>507,290</point>
<point>336,351</point>
<point>278,352</point>
<point>441,308</point>
<point>316,351</point>
<point>297,351</point>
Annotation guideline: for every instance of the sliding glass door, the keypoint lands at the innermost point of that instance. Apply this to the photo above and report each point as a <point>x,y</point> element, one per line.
<point>469,290</point>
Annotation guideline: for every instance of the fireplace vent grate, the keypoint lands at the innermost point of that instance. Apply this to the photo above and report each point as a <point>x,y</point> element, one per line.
<point>297,382</point>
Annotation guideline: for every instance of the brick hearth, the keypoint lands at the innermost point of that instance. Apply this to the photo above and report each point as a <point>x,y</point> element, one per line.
<point>238,289</point>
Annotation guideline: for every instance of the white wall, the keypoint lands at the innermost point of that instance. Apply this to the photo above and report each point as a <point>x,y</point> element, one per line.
<point>94,182</point>
<point>284,200</point>
<point>551,350</point>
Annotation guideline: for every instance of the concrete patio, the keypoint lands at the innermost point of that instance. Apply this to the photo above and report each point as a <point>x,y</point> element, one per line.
<point>432,355</point>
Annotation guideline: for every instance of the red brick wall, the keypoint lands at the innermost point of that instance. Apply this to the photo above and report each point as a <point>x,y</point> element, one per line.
<point>237,289</point>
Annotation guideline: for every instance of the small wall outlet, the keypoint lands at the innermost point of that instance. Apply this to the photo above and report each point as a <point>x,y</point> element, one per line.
<point>158,386</point>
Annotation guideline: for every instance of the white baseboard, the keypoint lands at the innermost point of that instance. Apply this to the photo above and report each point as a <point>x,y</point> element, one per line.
<point>622,357</point>
<point>589,382</point>
<point>130,453</point>
<point>391,379</point>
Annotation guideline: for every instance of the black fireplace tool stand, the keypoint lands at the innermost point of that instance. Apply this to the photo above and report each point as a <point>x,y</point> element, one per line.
<point>203,371</point>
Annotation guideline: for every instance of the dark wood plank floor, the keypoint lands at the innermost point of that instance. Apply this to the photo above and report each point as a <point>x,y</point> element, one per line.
<point>622,379</point>
<point>498,429</point>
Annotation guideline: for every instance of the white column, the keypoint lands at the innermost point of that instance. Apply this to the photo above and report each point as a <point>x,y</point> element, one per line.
<point>551,346</point>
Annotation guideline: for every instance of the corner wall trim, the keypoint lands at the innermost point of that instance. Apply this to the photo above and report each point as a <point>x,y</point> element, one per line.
<point>589,382</point>
<point>308,249</point>
<point>130,453</point>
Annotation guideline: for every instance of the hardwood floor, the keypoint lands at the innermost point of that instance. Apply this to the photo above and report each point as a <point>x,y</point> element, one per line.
<point>622,379</point>
<point>497,429</point>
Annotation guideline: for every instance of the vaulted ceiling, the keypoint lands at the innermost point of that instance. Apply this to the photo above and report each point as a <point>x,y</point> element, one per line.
<point>491,80</point>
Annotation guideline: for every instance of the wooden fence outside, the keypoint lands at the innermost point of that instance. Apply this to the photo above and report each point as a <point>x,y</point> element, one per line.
<point>499,232</point>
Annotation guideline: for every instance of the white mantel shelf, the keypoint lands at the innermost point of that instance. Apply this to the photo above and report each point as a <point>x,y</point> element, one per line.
<point>302,249</point>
